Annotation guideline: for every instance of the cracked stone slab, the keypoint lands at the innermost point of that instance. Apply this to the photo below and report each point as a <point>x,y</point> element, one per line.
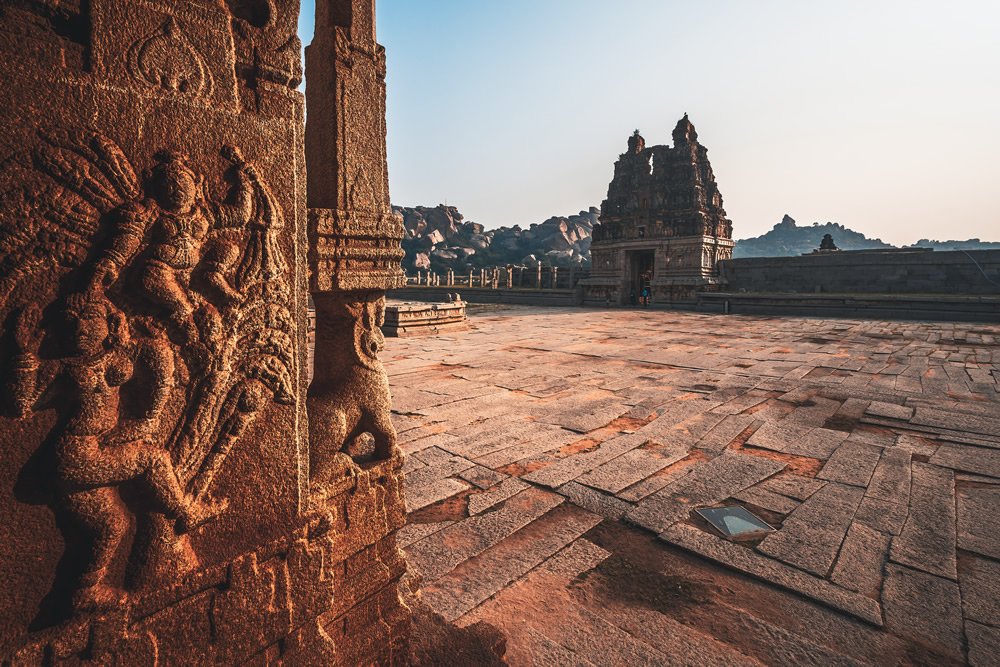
<point>571,467</point>
<point>891,479</point>
<point>480,502</point>
<point>984,644</point>
<point>768,500</point>
<point>861,560</point>
<point>435,556</point>
<point>927,540</point>
<point>414,532</point>
<point>889,411</point>
<point>980,585</point>
<point>725,432</point>
<point>811,535</point>
<point>483,575</point>
<point>594,501</point>
<point>704,484</point>
<point>749,562</point>
<point>923,607</point>
<point>956,421</point>
<point>979,521</point>
<point>853,463</point>
<point>579,557</point>
<point>630,468</point>
<point>794,486</point>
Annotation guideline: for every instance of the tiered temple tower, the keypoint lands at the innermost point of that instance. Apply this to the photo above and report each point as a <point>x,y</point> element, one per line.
<point>662,229</point>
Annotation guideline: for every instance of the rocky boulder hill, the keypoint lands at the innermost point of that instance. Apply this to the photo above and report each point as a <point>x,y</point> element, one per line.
<point>439,239</point>
<point>787,238</point>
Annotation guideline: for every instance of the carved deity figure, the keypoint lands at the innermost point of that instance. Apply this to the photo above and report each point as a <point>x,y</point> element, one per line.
<point>95,451</point>
<point>174,334</point>
<point>179,222</point>
<point>349,396</point>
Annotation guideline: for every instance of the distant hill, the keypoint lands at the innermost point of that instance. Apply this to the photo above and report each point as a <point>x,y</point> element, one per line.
<point>440,238</point>
<point>971,244</point>
<point>787,238</point>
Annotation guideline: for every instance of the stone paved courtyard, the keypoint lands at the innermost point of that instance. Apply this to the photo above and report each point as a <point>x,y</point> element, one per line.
<point>555,457</point>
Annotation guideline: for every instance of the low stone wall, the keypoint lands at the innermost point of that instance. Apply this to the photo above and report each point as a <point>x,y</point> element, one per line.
<point>873,306</point>
<point>868,272</point>
<point>524,297</point>
<point>413,318</point>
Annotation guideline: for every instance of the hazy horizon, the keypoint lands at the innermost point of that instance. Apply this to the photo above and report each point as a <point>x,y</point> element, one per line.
<point>878,116</point>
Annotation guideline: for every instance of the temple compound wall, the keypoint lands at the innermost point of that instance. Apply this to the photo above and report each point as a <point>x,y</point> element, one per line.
<point>662,228</point>
<point>172,489</point>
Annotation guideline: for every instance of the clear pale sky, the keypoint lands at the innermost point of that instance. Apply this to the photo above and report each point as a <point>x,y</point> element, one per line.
<point>881,115</point>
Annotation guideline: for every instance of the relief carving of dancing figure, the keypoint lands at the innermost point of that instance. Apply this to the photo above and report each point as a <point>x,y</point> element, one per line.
<point>96,446</point>
<point>167,333</point>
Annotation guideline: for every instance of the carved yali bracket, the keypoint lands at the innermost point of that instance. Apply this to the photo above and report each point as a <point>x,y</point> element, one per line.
<point>166,59</point>
<point>153,283</point>
<point>348,400</point>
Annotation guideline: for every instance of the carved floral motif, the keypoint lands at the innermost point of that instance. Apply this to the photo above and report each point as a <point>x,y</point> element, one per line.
<point>166,59</point>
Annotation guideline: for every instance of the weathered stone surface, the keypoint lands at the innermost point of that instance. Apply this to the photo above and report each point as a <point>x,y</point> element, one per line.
<point>630,468</point>
<point>761,497</point>
<point>968,459</point>
<point>957,421</point>
<point>705,484</point>
<point>793,486</point>
<point>853,463</point>
<point>727,430</point>
<point>889,411</point>
<point>811,536</point>
<point>924,607</point>
<point>882,515</point>
<point>476,579</point>
<point>754,564</point>
<point>418,497</point>
<point>413,532</point>
<point>480,502</point>
<point>580,556</point>
<point>861,560</point>
<point>980,585</point>
<point>438,554</point>
<point>570,468</point>
<point>984,644</point>
<point>891,479</point>
<point>927,540</point>
<point>791,649</point>
<point>594,501</point>
<point>979,521</point>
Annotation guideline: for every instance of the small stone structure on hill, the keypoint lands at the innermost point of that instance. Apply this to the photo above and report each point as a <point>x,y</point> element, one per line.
<point>662,228</point>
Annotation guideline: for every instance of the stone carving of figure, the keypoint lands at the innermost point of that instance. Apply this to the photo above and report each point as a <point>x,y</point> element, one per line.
<point>349,396</point>
<point>180,221</point>
<point>95,450</point>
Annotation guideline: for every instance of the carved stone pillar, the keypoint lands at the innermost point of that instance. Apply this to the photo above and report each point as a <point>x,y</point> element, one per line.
<point>354,257</point>
<point>153,281</point>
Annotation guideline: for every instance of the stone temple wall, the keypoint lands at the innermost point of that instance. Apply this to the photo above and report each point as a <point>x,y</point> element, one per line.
<point>868,271</point>
<point>169,492</point>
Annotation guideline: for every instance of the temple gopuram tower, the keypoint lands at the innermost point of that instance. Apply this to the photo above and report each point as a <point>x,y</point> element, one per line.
<point>663,229</point>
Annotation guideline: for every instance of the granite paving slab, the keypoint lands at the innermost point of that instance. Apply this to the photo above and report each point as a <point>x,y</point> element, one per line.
<point>480,502</point>
<point>852,463</point>
<point>630,468</point>
<point>811,536</point>
<point>984,644</point>
<point>483,575</point>
<point>483,477</point>
<point>882,515</point>
<point>979,581</point>
<point>418,497</point>
<point>979,520</point>
<point>891,479</point>
<point>968,459</point>
<point>927,540</point>
<point>440,553</point>
<point>413,532</point>
<point>793,486</point>
<point>594,501</point>
<point>922,606</point>
<point>725,432</point>
<point>861,560</point>
<point>890,411</point>
<point>956,421</point>
<point>704,484</point>
<point>571,467</point>
<point>768,500</point>
<point>756,565</point>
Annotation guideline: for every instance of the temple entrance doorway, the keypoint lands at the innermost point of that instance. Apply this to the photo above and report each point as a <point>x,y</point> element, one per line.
<point>642,277</point>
